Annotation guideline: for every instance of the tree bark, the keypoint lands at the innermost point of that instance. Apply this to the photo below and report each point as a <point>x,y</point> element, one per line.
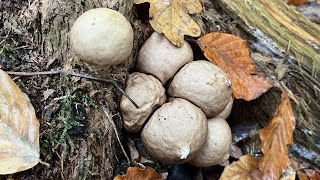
<point>35,37</point>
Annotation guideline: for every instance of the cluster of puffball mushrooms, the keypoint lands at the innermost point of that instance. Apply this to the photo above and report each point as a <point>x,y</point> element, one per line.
<point>183,103</point>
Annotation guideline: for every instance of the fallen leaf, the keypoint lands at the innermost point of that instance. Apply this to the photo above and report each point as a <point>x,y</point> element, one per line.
<point>246,168</point>
<point>290,174</point>
<point>47,93</point>
<point>135,173</point>
<point>172,18</point>
<point>312,174</point>
<point>19,129</point>
<point>275,138</point>
<point>232,55</point>
<point>297,2</point>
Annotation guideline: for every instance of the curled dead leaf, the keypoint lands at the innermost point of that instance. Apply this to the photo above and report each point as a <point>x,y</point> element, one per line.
<point>275,138</point>
<point>172,18</point>
<point>19,129</point>
<point>135,173</point>
<point>246,168</point>
<point>232,55</point>
<point>297,2</point>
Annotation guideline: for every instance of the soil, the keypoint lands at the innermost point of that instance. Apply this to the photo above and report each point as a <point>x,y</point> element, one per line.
<point>77,138</point>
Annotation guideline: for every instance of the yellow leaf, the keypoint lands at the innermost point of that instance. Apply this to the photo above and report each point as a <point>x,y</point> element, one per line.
<point>246,168</point>
<point>19,129</point>
<point>172,18</point>
<point>275,138</point>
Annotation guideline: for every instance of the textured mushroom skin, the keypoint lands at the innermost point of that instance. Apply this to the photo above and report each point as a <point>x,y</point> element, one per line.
<point>159,57</point>
<point>102,37</point>
<point>224,114</point>
<point>173,129</point>
<point>148,92</point>
<point>217,146</point>
<point>203,84</point>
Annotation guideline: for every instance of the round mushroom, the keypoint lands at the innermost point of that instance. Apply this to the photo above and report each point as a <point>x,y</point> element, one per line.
<point>203,84</point>
<point>159,57</point>
<point>224,114</point>
<point>148,92</point>
<point>175,131</point>
<point>217,146</point>
<point>102,37</point>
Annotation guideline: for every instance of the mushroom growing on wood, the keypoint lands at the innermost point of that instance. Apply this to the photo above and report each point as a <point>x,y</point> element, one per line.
<point>217,146</point>
<point>148,92</point>
<point>102,37</point>
<point>175,131</point>
<point>203,84</point>
<point>159,57</point>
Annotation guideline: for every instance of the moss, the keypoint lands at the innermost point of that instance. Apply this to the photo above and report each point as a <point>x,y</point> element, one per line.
<point>70,120</point>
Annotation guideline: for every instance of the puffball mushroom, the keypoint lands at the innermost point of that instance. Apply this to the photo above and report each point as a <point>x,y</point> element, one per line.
<point>148,92</point>
<point>224,114</point>
<point>203,84</point>
<point>217,146</point>
<point>175,131</point>
<point>159,57</point>
<point>102,37</point>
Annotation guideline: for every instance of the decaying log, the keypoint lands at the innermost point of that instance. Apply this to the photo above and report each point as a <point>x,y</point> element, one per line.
<point>288,52</point>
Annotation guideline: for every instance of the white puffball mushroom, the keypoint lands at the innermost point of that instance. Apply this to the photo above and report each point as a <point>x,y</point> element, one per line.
<point>224,114</point>
<point>175,131</point>
<point>159,57</point>
<point>203,84</point>
<point>148,92</point>
<point>216,149</point>
<point>102,37</point>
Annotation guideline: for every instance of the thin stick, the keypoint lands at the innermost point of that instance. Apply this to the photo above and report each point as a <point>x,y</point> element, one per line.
<point>115,131</point>
<point>74,74</point>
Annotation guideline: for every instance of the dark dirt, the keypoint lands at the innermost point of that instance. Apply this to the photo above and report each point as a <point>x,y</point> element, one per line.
<point>76,136</point>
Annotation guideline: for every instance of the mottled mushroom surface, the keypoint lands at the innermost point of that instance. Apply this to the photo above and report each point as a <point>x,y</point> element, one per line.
<point>175,132</point>
<point>159,57</point>
<point>216,149</point>
<point>204,84</point>
<point>148,92</point>
<point>102,37</point>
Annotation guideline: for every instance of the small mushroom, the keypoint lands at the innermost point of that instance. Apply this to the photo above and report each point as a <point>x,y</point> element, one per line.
<point>175,131</point>
<point>148,92</point>
<point>203,84</point>
<point>217,146</point>
<point>224,114</point>
<point>159,57</point>
<point>102,37</point>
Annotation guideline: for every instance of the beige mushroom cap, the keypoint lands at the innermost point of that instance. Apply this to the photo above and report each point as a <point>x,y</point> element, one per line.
<point>148,92</point>
<point>203,84</point>
<point>175,132</point>
<point>159,57</point>
<point>217,146</point>
<point>224,114</point>
<point>102,37</point>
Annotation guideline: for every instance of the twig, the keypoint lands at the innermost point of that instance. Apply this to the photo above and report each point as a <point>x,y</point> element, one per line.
<point>115,131</point>
<point>74,74</point>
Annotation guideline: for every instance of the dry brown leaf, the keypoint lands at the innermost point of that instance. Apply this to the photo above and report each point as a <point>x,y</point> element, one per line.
<point>275,138</point>
<point>172,18</point>
<point>19,129</point>
<point>297,2</point>
<point>135,173</point>
<point>312,174</point>
<point>232,55</point>
<point>246,168</point>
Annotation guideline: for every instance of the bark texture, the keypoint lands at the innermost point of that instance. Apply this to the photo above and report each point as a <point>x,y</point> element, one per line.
<point>35,37</point>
